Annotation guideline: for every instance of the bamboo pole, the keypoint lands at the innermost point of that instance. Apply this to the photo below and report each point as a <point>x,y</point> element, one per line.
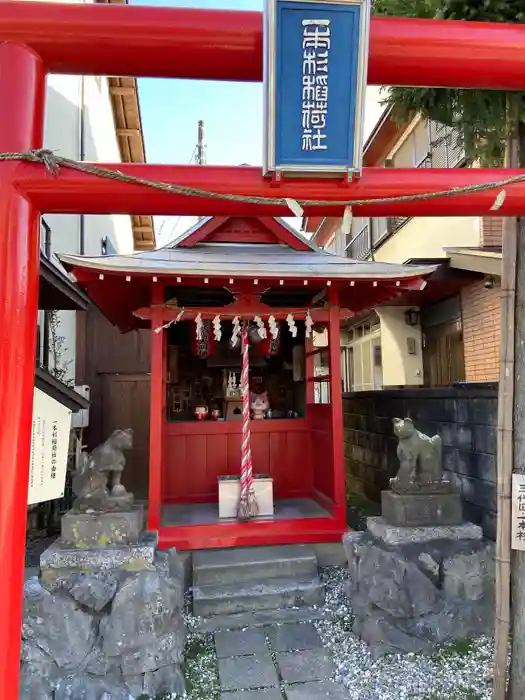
<point>505,431</point>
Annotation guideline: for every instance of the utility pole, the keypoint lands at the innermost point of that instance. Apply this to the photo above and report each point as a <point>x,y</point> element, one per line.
<point>200,157</point>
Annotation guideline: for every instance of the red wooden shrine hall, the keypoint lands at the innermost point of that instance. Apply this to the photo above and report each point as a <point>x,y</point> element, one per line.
<point>262,272</point>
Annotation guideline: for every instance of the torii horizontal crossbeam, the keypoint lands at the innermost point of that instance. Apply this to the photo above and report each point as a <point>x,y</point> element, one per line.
<point>78,192</point>
<point>227,45</point>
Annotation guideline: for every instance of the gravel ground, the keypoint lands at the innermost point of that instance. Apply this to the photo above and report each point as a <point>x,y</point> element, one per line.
<point>462,671</point>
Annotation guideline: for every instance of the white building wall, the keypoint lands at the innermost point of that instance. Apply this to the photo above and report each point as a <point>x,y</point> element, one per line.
<point>401,346</point>
<point>101,145</point>
<point>69,130</point>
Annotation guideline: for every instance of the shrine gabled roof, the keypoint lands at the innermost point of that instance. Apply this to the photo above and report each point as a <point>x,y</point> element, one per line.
<point>242,261</point>
<point>281,231</point>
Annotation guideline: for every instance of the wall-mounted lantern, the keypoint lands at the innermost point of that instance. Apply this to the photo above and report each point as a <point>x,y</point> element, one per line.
<point>412,317</point>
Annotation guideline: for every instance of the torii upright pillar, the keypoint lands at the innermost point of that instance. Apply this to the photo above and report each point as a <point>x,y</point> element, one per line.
<point>22,87</point>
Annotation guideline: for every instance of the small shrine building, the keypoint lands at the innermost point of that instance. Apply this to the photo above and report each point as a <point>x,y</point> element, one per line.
<point>195,294</point>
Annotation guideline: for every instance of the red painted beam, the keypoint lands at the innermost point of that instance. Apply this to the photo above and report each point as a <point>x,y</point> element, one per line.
<point>76,192</point>
<point>252,533</point>
<point>227,45</point>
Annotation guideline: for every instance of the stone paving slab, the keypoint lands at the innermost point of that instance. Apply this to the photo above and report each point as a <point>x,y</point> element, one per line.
<point>240,643</point>
<point>318,690</point>
<point>304,666</point>
<point>261,694</point>
<point>258,618</point>
<point>293,637</point>
<point>246,672</point>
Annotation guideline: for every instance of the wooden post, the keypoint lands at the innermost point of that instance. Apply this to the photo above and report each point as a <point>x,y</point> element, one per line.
<point>336,401</point>
<point>512,438</point>
<point>310,362</point>
<point>156,420</point>
<point>505,449</point>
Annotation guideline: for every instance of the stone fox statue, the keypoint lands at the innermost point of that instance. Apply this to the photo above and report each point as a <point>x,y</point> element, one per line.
<point>419,457</point>
<point>105,464</point>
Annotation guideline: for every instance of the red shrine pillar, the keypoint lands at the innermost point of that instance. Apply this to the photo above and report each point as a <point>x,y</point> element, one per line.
<point>336,400</point>
<point>22,95</point>
<point>156,420</point>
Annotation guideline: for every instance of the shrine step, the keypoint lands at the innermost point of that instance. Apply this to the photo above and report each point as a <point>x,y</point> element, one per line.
<point>265,594</point>
<point>258,618</point>
<point>249,579</point>
<point>238,565</point>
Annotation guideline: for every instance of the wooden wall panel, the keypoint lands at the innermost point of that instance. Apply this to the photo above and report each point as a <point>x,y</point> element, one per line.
<point>116,367</point>
<point>321,430</point>
<point>125,402</point>
<point>195,454</point>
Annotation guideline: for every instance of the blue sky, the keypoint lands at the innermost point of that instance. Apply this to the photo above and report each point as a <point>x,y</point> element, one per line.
<point>170,111</point>
<point>232,115</point>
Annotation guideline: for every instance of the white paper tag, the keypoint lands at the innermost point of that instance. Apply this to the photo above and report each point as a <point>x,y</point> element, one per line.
<point>294,207</point>
<point>346,225</point>
<point>498,202</point>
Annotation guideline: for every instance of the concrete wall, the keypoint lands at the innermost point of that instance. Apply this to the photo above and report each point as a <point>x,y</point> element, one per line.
<point>464,415</point>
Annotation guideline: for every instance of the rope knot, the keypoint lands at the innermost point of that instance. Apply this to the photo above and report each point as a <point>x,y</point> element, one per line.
<point>45,157</point>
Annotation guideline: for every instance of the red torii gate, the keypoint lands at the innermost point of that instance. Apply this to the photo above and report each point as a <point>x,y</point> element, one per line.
<point>181,43</point>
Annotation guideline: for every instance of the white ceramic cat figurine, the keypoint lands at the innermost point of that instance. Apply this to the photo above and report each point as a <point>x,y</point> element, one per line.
<point>259,404</point>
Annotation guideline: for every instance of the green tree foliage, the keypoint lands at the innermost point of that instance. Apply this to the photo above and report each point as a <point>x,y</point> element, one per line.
<point>478,115</point>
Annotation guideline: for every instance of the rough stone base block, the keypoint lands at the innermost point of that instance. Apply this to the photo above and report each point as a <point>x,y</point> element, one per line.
<point>414,510</point>
<point>85,530</point>
<point>60,559</point>
<point>392,534</point>
<point>104,632</point>
<point>409,596</point>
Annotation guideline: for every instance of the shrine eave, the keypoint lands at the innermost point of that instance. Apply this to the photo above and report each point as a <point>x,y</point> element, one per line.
<point>246,262</point>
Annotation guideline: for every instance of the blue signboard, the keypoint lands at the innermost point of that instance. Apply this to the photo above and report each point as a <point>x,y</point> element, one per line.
<point>316,57</point>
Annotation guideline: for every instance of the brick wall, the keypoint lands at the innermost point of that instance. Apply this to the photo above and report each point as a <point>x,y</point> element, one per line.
<point>480,308</point>
<point>464,415</point>
<point>491,231</point>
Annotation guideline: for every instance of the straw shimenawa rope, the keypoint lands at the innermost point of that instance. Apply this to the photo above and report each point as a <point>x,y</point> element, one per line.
<point>53,163</point>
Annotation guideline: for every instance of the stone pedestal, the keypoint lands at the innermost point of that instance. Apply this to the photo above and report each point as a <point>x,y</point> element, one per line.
<point>60,560</point>
<point>397,535</point>
<point>99,529</point>
<point>421,510</point>
<point>414,588</point>
<point>104,620</point>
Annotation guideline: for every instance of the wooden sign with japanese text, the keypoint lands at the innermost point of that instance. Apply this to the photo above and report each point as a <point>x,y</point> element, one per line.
<point>316,58</point>
<point>49,449</point>
<point>518,511</point>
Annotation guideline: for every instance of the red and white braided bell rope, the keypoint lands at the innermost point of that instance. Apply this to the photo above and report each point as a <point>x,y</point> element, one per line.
<point>248,507</point>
